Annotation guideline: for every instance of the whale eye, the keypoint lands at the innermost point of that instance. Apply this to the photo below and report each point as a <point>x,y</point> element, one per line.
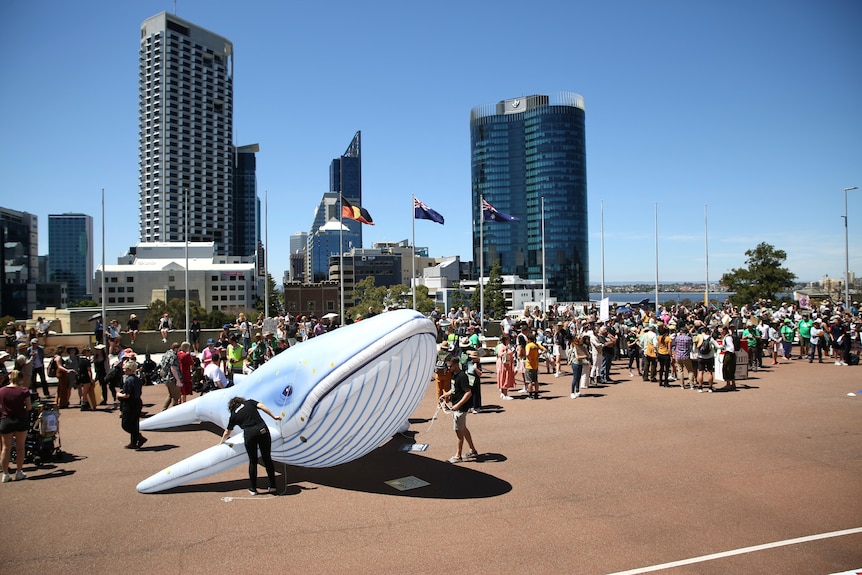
<point>287,391</point>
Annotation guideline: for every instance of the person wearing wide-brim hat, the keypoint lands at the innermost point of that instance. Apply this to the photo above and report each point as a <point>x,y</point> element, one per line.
<point>817,341</point>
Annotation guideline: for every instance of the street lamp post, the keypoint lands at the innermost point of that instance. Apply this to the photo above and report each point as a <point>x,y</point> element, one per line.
<point>847,252</point>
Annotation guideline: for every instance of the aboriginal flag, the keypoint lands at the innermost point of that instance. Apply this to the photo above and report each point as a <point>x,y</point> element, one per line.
<point>357,213</point>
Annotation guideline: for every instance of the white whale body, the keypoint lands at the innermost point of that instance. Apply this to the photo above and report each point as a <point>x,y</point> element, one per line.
<point>340,395</point>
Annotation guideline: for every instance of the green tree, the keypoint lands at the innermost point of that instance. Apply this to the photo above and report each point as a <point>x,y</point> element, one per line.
<point>84,303</point>
<point>276,298</point>
<point>495,302</point>
<point>424,303</point>
<point>366,295</point>
<point>457,298</point>
<point>763,277</point>
<point>176,310</point>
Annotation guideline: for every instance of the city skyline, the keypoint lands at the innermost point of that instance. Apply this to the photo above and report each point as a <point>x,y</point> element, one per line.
<point>747,108</point>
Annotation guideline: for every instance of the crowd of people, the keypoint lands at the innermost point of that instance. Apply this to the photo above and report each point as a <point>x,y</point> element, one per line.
<point>676,343</point>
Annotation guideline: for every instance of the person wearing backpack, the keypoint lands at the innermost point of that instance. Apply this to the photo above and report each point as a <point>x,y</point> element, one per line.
<point>171,375</point>
<point>705,349</point>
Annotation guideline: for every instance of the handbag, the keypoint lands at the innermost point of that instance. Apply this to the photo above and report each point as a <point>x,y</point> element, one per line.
<point>52,368</point>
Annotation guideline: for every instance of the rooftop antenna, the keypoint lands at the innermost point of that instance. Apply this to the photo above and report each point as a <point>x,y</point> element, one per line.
<point>175,7</point>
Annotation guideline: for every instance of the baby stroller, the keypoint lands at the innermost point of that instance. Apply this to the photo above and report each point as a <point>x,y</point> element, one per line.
<point>43,436</point>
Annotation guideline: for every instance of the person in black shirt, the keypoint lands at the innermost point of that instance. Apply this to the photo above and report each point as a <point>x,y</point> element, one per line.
<point>460,395</point>
<point>131,405</point>
<point>244,413</point>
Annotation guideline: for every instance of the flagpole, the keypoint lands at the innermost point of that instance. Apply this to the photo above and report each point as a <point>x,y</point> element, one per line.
<point>104,311</point>
<point>413,250</point>
<point>265,253</point>
<point>544,283</point>
<point>602,204</point>
<point>186,234</point>
<point>706,243</point>
<point>481,264</point>
<point>656,259</point>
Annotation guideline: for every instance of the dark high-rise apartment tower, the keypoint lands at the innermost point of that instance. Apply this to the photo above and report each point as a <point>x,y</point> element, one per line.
<point>185,133</point>
<point>345,176</point>
<point>70,254</point>
<point>19,262</point>
<point>246,204</point>
<point>523,150</point>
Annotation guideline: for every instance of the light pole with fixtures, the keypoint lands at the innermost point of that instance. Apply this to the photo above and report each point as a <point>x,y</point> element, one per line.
<point>847,253</point>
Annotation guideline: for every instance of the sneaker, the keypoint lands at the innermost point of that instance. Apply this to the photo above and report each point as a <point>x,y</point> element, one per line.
<point>837,363</point>
<point>6,478</point>
<point>471,455</point>
<point>523,390</point>
<point>252,492</point>
<point>141,442</point>
<point>507,398</point>
<point>20,475</point>
<point>575,395</point>
<point>630,374</point>
<point>454,459</point>
<point>166,341</point>
<point>557,374</point>
<point>271,490</point>
<point>529,397</point>
<point>130,446</point>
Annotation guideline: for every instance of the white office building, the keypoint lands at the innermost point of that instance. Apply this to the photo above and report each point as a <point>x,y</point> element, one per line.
<point>157,271</point>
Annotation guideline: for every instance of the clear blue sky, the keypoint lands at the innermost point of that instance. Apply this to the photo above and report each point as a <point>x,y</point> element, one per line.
<point>750,107</point>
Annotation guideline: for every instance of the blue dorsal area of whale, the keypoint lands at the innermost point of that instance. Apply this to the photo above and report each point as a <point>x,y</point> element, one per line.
<point>340,395</point>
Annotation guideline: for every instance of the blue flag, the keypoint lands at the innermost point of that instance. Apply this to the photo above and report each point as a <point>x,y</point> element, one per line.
<point>490,214</point>
<point>423,212</point>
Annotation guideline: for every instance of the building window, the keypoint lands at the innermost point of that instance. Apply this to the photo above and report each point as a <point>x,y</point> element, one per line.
<point>130,289</point>
<point>112,300</point>
<point>130,279</point>
<point>121,289</point>
<point>214,278</point>
<point>224,298</point>
<point>215,298</point>
<point>112,290</point>
<point>121,300</point>
<point>171,279</point>
<point>130,300</point>
<point>311,305</point>
<point>113,280</point>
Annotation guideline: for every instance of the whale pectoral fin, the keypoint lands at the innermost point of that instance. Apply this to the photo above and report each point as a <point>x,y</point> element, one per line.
<point>202,464</point>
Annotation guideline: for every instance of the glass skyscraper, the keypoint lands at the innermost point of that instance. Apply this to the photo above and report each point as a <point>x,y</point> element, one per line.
<point>326,236</point>
<point>524,150</point>
<point>345,176</point>
<point>70,254</point>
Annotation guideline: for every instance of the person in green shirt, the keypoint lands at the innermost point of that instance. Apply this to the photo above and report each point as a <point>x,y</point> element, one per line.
<point>787,335</point>
<point>804,327</point>
<point>752,338</point>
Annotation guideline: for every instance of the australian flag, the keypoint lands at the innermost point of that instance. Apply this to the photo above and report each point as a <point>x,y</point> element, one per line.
<point>423,212</point>
<point>490,214</point>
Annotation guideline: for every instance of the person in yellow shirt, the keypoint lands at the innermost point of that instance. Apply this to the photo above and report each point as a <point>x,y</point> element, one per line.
<point>531,366</point>
<point>234,357</point>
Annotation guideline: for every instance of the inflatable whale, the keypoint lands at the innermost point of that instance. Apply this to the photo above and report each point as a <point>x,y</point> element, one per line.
<point>340,395</point>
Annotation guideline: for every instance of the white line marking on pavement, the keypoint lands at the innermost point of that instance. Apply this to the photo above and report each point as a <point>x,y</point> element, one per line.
<point>740,551</point>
